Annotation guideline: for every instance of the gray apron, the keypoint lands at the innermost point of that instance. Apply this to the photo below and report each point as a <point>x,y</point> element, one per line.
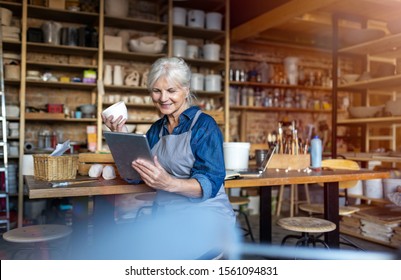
<point>175,155</point>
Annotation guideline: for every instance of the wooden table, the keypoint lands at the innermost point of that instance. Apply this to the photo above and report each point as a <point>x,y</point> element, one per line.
<point>104,191</point>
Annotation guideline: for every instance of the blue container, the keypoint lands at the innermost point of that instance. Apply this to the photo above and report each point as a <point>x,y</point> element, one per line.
<point>316,153</point>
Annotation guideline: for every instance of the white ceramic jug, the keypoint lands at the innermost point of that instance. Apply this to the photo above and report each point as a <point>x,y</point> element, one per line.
<point>118,75</point>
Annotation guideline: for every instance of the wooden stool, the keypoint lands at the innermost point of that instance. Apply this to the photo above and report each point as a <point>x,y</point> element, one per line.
<point>306,226</point>
<point>293,199</point>
<point>317,208</point>
<point>39,237</point>
<point>241,201</point>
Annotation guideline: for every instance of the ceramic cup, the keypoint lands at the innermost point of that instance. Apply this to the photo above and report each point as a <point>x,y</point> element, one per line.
<point>116,110</point>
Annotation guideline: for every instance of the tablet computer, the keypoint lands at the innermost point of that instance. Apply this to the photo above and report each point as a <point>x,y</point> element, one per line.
<point>125,148</point>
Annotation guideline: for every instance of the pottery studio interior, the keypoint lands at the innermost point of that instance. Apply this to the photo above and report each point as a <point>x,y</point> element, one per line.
<point>292,109</point>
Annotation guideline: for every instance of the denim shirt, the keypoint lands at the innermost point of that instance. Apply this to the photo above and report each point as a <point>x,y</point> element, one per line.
<point>206,145</point>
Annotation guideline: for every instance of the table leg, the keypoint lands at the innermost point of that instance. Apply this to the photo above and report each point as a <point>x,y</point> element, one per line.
<point>103,214</point>
<point>265,216</point>
<point>331,213</point>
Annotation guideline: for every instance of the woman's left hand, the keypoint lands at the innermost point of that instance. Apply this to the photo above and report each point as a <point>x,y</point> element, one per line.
<point>154,175</point>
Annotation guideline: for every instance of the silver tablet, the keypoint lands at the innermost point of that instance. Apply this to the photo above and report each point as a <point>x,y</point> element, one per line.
<point>125,148</point>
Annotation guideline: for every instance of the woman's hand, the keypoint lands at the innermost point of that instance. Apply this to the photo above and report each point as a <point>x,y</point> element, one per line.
<point>117,125</point>
<point>154,175</point>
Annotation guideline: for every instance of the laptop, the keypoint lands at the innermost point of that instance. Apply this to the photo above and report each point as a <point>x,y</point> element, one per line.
<point>125,148</point>
<point>251,172</point>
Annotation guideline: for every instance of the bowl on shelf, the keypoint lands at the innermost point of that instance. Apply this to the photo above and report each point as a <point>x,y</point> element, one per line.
<point>88,109</point>
<point>147,44</point>
<point>349,78</point>
<point>364,111</point>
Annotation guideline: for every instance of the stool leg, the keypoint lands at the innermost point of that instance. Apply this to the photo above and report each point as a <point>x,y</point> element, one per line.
<point>307,193</point>
<point>292,192</point>
<point>248,225</point>
<point>280,200</point>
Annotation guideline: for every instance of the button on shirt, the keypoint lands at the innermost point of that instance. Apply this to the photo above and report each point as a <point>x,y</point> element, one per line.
<point>206,145</point>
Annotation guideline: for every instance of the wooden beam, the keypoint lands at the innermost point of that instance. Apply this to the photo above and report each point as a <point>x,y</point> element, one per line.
<point>276,17</point>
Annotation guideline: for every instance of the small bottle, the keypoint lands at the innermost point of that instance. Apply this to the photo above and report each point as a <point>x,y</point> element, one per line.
<point>316,153</point>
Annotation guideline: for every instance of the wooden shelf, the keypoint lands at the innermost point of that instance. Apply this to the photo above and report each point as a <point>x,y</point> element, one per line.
<point>60,85</point>
<point>276,109</point>
<point>383,83</point>
<point>269,85</point>
<point>12,82</point>
<point>137,24</point>
<point>16,8</point>
<point>62,15</point>
<point>199,33</point>
<point>126,89</point>
<point>378,120</point>
<point>61,49</point>
<point>67,67</point>
<point>386,47</point>
<point>136,56</point>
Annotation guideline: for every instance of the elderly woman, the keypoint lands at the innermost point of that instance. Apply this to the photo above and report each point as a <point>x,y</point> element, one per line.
<point>188,169</point>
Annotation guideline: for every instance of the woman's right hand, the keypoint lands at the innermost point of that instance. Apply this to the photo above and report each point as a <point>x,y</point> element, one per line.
<point>117,125</point>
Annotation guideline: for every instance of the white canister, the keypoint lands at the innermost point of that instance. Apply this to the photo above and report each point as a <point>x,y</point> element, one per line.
<point>214,21</point>
<point>213,82</point>
<point>236,155</point>
<point>211,51</point>
<point>108,78</point>
<point>179,16</point>
<point>179,47</point>
<point>192,51</point>
<point>196,18</point>
<point>118,75</point>
<point>197,81</point>
<point>373,188</point>
<point>291,69</point>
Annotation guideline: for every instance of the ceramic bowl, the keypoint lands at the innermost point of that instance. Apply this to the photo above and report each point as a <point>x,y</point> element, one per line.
<point>349,78</point>
<point>88,109</point>
<point>116,110</point>
<point>364,111</point>
<point>147,44</point>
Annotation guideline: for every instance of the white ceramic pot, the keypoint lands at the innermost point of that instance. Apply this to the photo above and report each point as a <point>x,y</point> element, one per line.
<point>211,51</point>
<point>192,51</point>
<point>213,82</point>
<point>179,16</point>
<point>214,21</point>
<point>373,188</point>
<point>197,81</point>
<point>390,186</point>
<point>179,47</point>
<point>196,18</point>
<point>116,8</point>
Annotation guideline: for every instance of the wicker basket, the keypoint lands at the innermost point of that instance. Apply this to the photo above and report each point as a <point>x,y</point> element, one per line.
<point>52,168</point>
